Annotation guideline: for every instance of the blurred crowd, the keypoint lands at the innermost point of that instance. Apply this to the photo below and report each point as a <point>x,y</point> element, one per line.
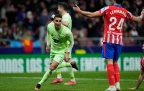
<point>21,19</point>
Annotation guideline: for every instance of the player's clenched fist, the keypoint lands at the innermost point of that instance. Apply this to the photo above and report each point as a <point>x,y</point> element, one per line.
<point>47,48</point>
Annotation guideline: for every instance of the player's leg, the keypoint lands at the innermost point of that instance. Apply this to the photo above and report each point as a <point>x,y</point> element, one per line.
<point>72,76</point>
<point>116,67</point>
<point>57,59</point>
<point>110,74</point>
<point>59,78</point>
<point>140,79</point>
<point>69,65</point>
<point>47,74</point>
<point>117,75</point>
<point>141,75</point>
<point>107,53</point>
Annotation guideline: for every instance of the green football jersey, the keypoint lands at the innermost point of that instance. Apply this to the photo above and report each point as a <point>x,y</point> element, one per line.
<point>58,38</point>
<point>67,18</point>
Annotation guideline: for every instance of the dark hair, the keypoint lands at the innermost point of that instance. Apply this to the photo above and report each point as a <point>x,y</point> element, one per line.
<point>58,16</point>
<point>64,5</point>
<point>119,1</point>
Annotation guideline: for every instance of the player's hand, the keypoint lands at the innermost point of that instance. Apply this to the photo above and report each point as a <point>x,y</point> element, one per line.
<point>67,56</point>
<point>76,8</point>
<point>47,49</point>
<point>132,88</point>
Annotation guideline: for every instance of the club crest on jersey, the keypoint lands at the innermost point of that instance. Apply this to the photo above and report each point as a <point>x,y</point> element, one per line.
<point>104,9</point>
<point>56,41</point>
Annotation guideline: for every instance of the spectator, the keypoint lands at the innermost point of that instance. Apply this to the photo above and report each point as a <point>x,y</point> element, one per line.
<point>18,34</point>
<point>1,27</point>
<point>34,14</point>
<point>28,34</point>
<point>11,15</point>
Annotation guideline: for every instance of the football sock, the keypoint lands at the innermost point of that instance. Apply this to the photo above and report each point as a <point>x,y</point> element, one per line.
<point>110,74</point>
<point>70,70</point>
<point>61,65</point>
<point>45,76</point>
<point>58,71</point>
<point>117,72</point>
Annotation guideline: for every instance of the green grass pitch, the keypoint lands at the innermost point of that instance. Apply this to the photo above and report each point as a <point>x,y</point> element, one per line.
<point>86,81</point>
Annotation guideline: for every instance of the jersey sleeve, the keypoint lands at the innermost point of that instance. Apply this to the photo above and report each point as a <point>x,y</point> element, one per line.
<point>103,10</point>
<point>129,15</point>
<point>71,40</point>
<point>48,36</point>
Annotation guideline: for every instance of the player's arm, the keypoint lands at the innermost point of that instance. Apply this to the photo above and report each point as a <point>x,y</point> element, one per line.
<point>138,18</point>
<point>48,40</point>
<point>69,46</point>
<point>86,13</point>
<point>71,40</point>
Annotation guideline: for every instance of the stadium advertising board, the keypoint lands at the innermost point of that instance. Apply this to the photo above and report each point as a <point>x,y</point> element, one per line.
<point>88,62</point>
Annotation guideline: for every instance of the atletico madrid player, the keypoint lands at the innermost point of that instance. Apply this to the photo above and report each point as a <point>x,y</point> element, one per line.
<point>141,75</point>
<point>114,18</point>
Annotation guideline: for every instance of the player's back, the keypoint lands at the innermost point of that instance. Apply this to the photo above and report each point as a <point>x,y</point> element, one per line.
<point>114,19</point>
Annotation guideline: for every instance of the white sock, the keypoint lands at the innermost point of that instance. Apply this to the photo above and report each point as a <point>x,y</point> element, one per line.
<point>117,83</point>
<point>73,80</point>
<point>112,86</point>
<point>59,76</point>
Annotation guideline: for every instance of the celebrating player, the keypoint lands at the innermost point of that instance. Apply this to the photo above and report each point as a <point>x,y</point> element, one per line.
<point>58,35</point>
<point>114,18</point>
<point>67,21</point>
<point>141,75</point>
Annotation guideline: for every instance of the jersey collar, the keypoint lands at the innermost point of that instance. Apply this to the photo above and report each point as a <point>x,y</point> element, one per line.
<point>61,28</point>
<point>118,5</point>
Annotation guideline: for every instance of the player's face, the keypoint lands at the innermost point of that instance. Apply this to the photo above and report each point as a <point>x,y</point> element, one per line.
<point>58,22</point>
<point>60,9</point>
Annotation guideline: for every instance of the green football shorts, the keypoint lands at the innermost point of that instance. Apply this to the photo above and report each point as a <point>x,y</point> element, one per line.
<point>57,57</point>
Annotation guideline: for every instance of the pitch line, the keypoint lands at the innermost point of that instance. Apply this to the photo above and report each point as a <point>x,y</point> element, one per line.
<point>98,79</point>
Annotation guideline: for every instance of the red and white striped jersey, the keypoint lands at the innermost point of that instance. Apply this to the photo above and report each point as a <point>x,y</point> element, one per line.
<point>114,18</point>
